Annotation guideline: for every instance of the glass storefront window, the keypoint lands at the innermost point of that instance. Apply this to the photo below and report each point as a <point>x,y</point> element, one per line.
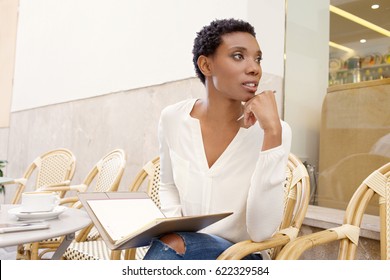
<point>355,117</point>
<point>359,41</point>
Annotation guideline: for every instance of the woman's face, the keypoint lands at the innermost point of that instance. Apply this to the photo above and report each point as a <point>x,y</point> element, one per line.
<point>235,66</point>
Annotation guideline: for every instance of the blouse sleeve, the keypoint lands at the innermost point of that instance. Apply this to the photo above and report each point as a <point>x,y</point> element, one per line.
<point>169,195</point>
<point>266,193</point>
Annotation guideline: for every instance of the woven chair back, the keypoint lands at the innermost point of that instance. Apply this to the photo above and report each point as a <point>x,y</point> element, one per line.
<point>377,183</point>
<point>150,171</point>
<point>53,167</point>
<point>296,199</point>
<point>109,171</point>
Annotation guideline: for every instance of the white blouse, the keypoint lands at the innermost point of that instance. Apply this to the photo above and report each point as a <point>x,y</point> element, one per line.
<point>244,180</point>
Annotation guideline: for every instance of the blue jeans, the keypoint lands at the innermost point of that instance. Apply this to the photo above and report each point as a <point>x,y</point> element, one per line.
<point>198,246</point>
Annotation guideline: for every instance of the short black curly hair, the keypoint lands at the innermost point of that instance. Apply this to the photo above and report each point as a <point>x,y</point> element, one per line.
<point>209,38</point>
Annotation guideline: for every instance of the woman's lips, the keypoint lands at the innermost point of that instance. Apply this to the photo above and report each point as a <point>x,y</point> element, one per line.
<point>250,86</point>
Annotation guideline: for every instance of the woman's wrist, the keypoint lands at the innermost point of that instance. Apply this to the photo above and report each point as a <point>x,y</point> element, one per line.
<point>272,138</point>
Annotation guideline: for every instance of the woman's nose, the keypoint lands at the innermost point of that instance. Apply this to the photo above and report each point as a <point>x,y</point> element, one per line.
<point>253,68</point>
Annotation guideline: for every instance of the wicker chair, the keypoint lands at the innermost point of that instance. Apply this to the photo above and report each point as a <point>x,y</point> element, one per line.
<point>148,178</point>
<point>107,174</point>
<point>378,182</point>
<point>53,168</point>
<point>297,195</point>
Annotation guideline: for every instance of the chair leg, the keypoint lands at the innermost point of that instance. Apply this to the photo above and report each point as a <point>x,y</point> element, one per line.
<point>34,251</point>
<point>21,252</point>
<point>116,254</point>
<point>45,251</point>
<point>130,254</point>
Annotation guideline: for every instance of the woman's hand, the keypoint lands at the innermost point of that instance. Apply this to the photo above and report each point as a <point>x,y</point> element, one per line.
<point>263,108</point>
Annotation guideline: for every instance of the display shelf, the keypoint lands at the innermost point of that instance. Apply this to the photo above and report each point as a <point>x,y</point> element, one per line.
<point>356,75</point>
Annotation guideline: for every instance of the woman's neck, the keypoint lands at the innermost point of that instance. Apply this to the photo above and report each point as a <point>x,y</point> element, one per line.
<point>217,109</point>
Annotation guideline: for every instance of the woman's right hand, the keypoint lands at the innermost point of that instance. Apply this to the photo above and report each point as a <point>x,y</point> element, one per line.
<point>263,108</point>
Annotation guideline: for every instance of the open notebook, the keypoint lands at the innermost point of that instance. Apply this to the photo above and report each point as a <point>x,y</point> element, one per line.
<point>131,219</point>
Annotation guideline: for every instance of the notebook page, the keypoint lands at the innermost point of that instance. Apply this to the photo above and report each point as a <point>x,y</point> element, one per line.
<point>121,217</point>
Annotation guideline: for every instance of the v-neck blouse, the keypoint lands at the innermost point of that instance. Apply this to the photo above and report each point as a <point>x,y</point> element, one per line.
<point>244,180</point>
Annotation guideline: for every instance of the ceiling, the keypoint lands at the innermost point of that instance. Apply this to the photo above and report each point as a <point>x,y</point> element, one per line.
<point>349,33</point>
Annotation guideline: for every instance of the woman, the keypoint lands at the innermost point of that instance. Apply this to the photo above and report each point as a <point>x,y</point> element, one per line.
<point>225,153</point>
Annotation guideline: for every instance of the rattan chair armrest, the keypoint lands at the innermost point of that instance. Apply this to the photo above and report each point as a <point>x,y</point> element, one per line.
<point>294,249</point>
<point>54,188</point>
<point>22,181</point>
<point>62,186</point>
<point>21,186</point>
<point>63,183</point>
<point>79,188</point>
<point>244,248</point>
<point>67,200</point>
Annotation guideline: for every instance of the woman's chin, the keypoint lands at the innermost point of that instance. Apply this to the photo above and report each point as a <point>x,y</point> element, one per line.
<point>248,97</point>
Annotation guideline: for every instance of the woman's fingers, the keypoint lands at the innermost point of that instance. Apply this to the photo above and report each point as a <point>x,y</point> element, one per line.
<point>249,118</point>
<point>261,107</point>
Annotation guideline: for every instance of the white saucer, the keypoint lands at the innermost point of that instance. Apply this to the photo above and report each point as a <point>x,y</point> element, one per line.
<point>37,215</point>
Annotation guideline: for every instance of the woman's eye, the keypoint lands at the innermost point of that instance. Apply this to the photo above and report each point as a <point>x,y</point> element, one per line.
<point>259,59</point>
<point>238,56</point>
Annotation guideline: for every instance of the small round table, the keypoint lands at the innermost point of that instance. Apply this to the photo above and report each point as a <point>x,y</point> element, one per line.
<point>70,221</point>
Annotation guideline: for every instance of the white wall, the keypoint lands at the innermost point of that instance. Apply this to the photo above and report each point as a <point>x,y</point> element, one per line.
<point>68,50</point>
<point>268,17</point>
<point>306,76</point>
<point>8,23</point>
<point>73,49</point>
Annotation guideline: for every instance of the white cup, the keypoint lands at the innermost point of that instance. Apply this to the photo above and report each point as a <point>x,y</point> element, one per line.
<point>39,201</point>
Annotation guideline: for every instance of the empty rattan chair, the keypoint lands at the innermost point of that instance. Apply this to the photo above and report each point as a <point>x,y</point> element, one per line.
<point>149,179</point>
<point>297,195</point>
<point>107,174</point>
<point>377,183</point>
<point>53,168</point>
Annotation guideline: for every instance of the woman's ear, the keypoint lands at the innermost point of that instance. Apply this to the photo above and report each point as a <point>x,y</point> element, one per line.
<point>204,65</point>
